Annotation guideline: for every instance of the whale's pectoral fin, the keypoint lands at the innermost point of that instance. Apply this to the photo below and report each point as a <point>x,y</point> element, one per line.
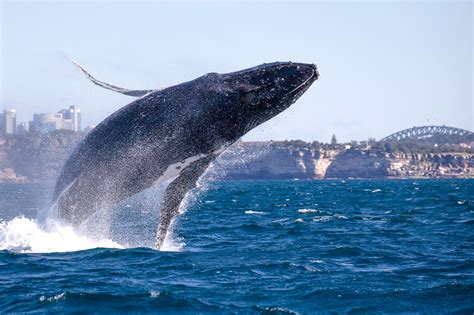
<point>175,193</point>
<point>128,92</point>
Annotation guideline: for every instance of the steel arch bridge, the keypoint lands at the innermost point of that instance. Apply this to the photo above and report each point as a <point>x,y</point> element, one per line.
<point>426,132</point>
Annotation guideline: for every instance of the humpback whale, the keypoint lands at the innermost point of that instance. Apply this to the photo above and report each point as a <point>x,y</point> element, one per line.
<point>171,134</point>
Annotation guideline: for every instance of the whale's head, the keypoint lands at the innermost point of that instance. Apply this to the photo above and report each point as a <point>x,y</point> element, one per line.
<point>239,101</point>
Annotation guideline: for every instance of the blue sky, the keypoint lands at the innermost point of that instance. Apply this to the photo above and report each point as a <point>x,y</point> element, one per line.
<point>385,66</point>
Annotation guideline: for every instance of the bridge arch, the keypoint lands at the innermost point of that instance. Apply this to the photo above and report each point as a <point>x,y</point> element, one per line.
<point>426,132</point>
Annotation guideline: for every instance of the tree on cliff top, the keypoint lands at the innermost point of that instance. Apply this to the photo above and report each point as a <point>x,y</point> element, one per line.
<point>333,140</point>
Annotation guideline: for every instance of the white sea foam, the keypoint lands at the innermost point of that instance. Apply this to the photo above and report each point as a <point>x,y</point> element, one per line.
<point>54,298</point>
<point>254,212</point>
<point>26,235</point>
<point>323,218</point>
<point>307,210</point>
<point>154,294</point>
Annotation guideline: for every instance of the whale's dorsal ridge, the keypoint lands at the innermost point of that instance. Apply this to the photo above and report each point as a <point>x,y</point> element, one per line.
<point>136,93</point>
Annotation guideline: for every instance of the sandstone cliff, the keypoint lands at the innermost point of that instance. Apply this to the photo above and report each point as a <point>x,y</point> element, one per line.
<point>37,157</point>
<point>286,161</point>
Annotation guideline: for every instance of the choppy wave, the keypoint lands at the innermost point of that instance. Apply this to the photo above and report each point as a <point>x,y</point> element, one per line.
<point>330,248</point>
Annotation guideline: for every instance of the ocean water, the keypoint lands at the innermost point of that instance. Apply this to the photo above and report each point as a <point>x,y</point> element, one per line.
<point>269,247</point>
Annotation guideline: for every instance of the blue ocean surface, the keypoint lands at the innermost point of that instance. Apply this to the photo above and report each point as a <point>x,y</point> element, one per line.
<point>269,247</point>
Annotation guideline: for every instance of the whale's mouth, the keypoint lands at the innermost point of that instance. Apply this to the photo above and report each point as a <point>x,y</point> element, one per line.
<point>288,82</point>
<point>294,92</point>
<point>271,87</point>
<point>300,89</point>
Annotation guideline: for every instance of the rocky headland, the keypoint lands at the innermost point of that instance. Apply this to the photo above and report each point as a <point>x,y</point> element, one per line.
<point>34,157</point>
<point>280,160</point>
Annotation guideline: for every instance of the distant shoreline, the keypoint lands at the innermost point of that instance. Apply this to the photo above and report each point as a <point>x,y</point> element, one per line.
<point>32,158</point>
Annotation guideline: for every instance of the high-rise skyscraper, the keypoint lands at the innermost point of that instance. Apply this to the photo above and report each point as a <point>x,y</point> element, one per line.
<point>9,122</point>
<point>76,117</point>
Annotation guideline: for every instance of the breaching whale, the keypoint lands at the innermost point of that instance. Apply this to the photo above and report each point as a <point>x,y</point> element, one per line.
<point>172,134</point>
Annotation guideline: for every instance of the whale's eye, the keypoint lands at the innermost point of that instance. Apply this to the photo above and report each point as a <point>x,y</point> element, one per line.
<point>242,93</point>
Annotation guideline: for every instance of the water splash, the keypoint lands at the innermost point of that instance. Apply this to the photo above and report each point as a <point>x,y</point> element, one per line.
<point>111,228</point>
<point>172,243</point>
<point>28,236</point>
<point>235,156</point>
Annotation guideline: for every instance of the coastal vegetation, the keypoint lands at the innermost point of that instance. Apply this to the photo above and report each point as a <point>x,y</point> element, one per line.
<point>434,144</point>
<point>40,156</point>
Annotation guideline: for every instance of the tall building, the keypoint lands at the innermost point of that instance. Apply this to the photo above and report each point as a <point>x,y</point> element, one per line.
<point>45,122</point>
<point>68,119</point>
<point>9,122</point>
<point>76,117</point>
<point>72,118</point>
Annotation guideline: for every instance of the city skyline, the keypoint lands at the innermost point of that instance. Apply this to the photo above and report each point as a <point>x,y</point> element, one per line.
<point>384,66</point>
<point>70,119</point>
<point>63,119</point>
